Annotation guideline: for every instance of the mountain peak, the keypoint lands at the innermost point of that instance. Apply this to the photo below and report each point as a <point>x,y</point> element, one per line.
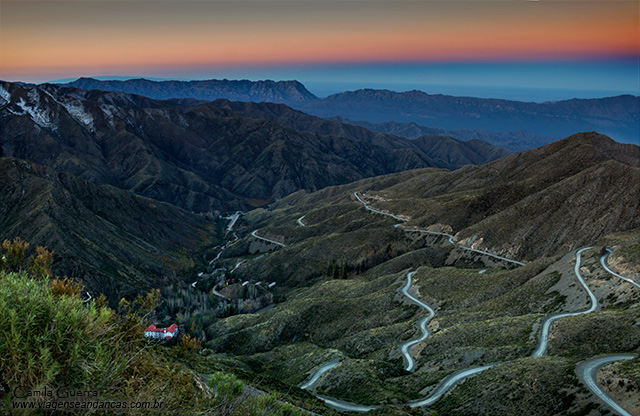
<point>598,145</point>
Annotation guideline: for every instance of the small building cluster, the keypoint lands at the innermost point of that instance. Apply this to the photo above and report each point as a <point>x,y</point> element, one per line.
<point>161,333</point>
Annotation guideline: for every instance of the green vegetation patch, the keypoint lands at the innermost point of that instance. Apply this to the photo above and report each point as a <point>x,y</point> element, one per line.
<point>601,332</point>
<point>527,386</point>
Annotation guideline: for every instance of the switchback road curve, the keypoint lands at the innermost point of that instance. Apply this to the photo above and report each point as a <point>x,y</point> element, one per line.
<point>587,371</point>
<point>422,324</point>
<point>543,341</point>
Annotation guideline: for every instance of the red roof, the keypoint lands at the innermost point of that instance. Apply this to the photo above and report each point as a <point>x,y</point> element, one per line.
<point>152,328</point>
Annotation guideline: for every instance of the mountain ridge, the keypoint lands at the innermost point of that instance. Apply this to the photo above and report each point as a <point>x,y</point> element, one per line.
<point>513,141</point>
<point>615,116</point>
<point>432,145</point>
<point>192,153</point>
<point>116,242</point>
<point>266,90</point>
<point>611,115</point>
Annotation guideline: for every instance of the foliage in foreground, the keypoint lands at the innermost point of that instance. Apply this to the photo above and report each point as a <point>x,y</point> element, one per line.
<point>50,339</point>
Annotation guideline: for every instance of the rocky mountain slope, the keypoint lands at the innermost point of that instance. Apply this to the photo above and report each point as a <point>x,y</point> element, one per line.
<point>116,242</point>
<point>441,147</point>
<point>194,154</point>
<point>542,201</point>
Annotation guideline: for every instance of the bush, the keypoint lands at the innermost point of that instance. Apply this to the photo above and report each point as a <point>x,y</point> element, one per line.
<point>14,254</point>
<point>49,338</point>
<point>38,320</point>
<point>190,344</point>
<point>66,287</point>
<point>225,385</point>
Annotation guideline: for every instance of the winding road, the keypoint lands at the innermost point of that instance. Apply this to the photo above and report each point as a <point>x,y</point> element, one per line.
<point>334,403</point>
<point>233,219</point>
<point>444,386</point>
<point>451,237</point>
<point>237,265</point>
<point>367,206</point>
<point>543,341</point>
<point>587,373</point>
<point>447,383</point>
<point>452,241</point>
<point>422,324</point>
<point>319,372</point>
<point>343,406</point>
<point>266,239</point>
<point>603,262</point>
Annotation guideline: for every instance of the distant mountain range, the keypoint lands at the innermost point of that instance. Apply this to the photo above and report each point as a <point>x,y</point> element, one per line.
<point>614,116</point>
<point>205,156</point>
<point>513,141</point>
<point>245,90</point>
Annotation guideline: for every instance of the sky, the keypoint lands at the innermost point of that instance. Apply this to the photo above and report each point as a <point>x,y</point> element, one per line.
<point>534,50</point>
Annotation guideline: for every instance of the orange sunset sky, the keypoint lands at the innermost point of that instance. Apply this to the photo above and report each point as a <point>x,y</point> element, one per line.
<point>44,40</point>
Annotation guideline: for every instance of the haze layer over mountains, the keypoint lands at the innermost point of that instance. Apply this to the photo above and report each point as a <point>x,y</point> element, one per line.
<point>614,116</point>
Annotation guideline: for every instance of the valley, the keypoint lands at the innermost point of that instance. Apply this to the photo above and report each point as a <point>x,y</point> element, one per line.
<point>490,318</point>
<point>378,274</point>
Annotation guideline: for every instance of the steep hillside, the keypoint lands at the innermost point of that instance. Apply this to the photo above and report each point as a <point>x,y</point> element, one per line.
<point>193,155</point>
<point>341,271</point>
<point>542,201</point>
<point>441,147</point>
<point>118,243</point>
<point>107,367</point>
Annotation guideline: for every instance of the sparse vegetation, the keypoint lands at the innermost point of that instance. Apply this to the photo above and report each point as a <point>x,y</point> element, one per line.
<point>104,350</point>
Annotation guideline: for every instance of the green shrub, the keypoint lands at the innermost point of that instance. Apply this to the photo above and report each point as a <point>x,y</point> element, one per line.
<point>225,385</point>
<point>51,338</point>
<point>13,254</point>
